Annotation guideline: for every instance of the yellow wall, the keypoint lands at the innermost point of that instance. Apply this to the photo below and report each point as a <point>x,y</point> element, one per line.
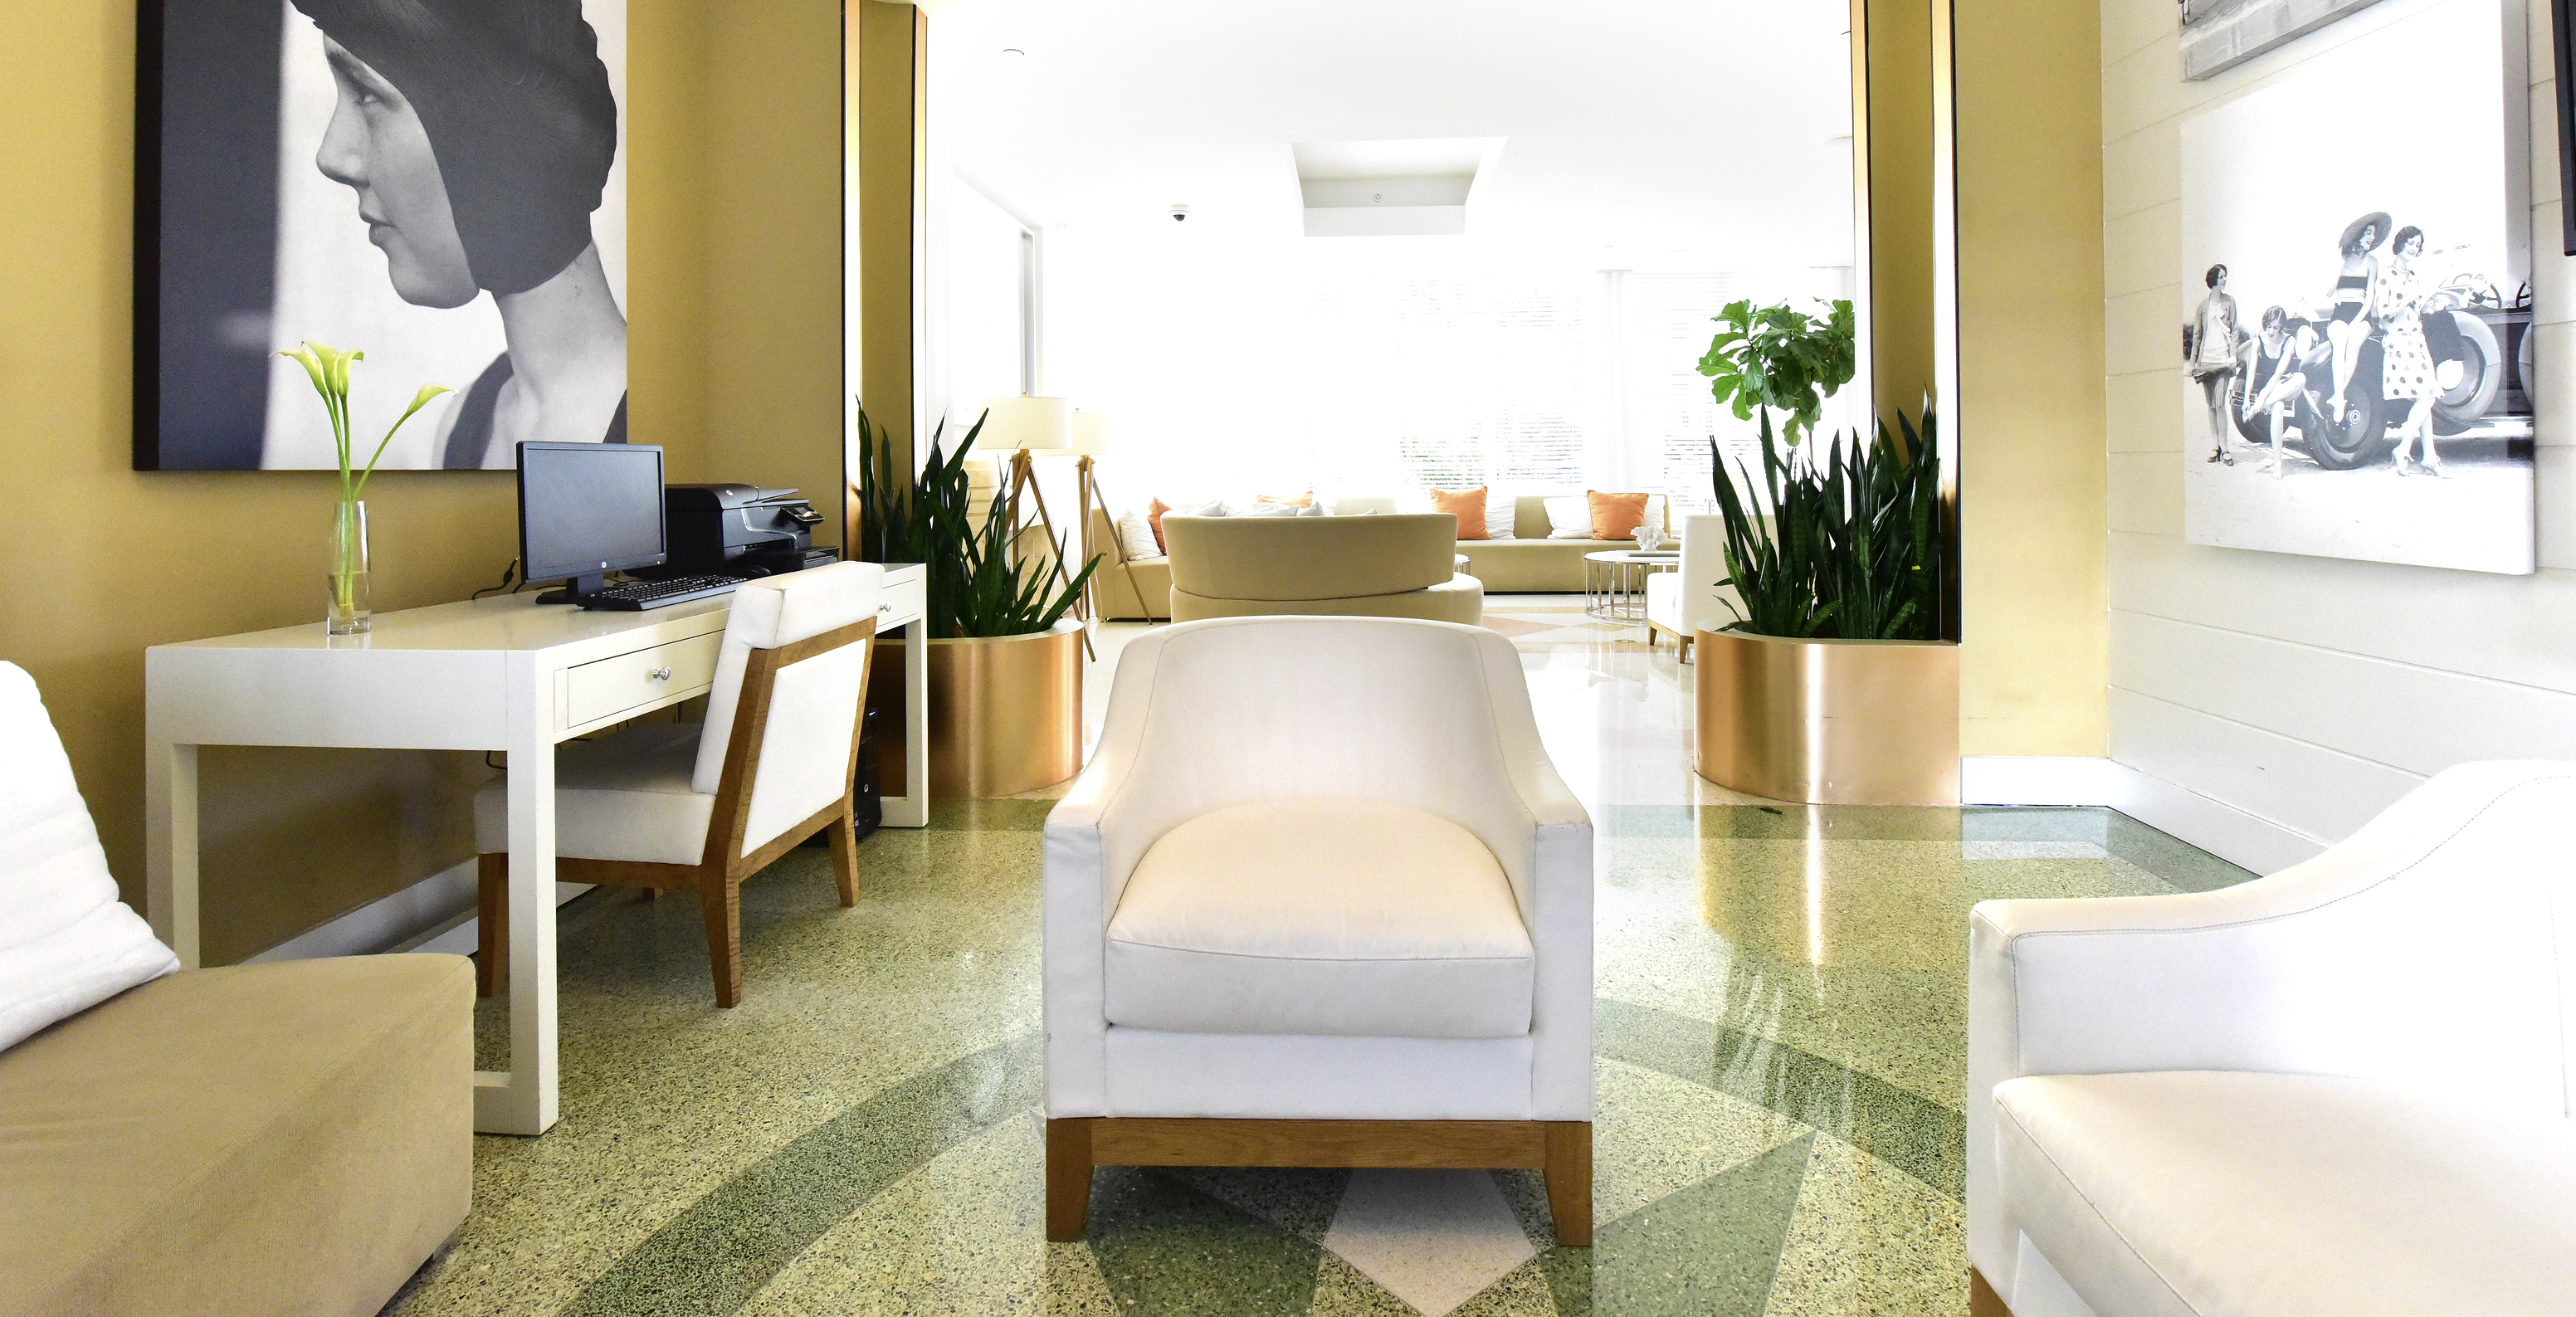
<point>731,128</point>
<point>2030,412</point>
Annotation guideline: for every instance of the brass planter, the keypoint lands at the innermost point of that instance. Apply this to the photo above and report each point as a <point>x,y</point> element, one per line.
<point>1005,712</point>
<point>1830,722</point>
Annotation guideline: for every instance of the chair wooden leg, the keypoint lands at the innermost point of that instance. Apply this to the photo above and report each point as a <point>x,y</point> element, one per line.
<point>1569,1181</point>
<point>721,897</point>
<point>845,855</point>
<point>1068,1178</point>
<point>491,923</point>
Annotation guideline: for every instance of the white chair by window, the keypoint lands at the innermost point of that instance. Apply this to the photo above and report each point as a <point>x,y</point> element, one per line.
<point>1320,899</point>
<point>702,807</point>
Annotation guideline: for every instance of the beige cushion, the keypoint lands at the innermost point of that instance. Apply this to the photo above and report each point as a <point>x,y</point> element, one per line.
<point>625,796</point>
<point>288,1139</point>
<point>1342,917</point>
<point>2195,1193</point>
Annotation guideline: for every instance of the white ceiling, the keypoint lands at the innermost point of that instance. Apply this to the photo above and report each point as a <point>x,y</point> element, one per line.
<point>1683,134</point>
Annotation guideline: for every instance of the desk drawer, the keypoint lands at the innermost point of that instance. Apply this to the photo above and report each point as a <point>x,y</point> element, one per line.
<point>612,686</point>
<point>902,599</point>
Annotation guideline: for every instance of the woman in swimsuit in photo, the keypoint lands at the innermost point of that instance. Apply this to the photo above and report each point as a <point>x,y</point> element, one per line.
<point>2356,296</point>
<point>2407,358</point>
<point>2213,357</point>
<point>2273,380</point>
<point>477,135</point>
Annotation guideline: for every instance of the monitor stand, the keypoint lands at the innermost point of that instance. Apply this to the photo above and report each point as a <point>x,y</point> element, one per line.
<point>577,589</point>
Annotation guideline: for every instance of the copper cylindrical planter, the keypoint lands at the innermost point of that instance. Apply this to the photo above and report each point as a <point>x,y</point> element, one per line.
<point>1830,722</point>
<point>1005,712</point>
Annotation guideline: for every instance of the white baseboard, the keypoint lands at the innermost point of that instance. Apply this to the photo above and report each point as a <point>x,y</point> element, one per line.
<point>434,914</point>
<point>2221,829</point>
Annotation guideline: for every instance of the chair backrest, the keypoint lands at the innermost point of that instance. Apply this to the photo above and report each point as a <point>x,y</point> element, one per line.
<point>1310,557</point>
<point>1705,603</point>
<point>66,942</point>
<point>790,683</point>
<point>2442,945</point>
<point>1236,710</point>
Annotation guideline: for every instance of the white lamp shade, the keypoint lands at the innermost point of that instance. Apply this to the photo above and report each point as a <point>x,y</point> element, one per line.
<point>1090,432</point>
<point>1040,425</point>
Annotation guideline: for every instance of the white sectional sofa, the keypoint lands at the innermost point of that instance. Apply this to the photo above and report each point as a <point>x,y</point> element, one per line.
<point>2341,1091</point>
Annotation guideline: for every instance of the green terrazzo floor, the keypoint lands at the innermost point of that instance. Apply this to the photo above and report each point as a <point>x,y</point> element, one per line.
<point>1781,1024</point>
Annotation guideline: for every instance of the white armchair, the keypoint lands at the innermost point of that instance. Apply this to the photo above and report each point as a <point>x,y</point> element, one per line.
<point>1319,900</point>
<point>2341,1089</point>
<point>702,807</point>
<point>1686,602</point>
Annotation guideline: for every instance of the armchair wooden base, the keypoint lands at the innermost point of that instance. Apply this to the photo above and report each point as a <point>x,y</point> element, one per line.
<point>1561,1149</point>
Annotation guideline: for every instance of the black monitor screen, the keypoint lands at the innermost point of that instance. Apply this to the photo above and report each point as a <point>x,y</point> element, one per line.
<point>588,508</point>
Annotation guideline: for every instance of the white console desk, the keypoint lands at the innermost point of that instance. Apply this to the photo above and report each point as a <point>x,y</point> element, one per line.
<point>493,674</point>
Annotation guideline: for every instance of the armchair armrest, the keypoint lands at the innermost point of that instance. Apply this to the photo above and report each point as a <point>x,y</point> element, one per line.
<point>2353,963</point>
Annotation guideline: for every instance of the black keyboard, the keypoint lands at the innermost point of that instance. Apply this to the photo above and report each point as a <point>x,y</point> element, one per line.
<point>636,596</point>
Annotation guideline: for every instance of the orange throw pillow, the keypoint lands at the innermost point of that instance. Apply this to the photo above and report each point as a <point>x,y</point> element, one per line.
<point>1154,518</point>
<point>1616,516</point>
<point>1305,500</point>
<point>1468,506</point>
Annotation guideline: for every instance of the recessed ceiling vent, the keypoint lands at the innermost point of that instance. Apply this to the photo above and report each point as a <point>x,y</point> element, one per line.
<point>1386,188</point>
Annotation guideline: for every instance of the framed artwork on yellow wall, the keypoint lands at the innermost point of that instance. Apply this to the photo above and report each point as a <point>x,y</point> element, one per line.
<point>438,183</point>
<point>2356,298</point>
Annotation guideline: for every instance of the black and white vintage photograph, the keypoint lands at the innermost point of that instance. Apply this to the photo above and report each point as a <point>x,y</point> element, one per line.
<point>2356,304</point>
<point>439,184</point>
<point>2218,35</point>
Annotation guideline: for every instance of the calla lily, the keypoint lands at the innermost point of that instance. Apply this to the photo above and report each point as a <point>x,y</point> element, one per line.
<point>328,367</point>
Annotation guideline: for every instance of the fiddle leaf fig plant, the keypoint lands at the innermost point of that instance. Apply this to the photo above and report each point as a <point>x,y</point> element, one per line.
<point>1779,358</point>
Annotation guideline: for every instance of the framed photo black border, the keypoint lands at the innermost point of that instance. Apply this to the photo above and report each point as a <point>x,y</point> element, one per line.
<point>2562,41</point>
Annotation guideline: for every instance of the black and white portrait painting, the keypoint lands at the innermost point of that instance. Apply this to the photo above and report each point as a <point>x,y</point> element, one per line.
<point>437,183</point>
<point>2355,306</point>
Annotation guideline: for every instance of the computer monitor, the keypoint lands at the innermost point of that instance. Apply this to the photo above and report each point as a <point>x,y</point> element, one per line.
<point>586,510</point>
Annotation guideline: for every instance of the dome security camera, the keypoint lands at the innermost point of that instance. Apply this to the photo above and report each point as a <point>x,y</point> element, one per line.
<point>1180,211</point>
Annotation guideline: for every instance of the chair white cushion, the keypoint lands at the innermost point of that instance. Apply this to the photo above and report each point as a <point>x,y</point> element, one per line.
<point>2201,1192</point>
<point>625,796</point>
<point>66,942</point>
<point>769,613</point>
<point>1346,917</point>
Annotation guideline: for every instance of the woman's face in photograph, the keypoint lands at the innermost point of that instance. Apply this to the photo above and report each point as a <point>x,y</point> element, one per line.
<point>2413,247</point>
<point>377,147</point>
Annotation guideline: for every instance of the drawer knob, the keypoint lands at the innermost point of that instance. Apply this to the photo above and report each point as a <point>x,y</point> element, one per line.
<point>660,674</point>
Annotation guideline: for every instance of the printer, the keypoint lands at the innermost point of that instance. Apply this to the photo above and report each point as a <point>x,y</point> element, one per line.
<point>738,530</point>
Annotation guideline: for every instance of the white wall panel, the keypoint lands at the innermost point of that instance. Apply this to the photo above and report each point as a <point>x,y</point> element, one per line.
<point>2140,411</point>
<point>2299,786</point>
<point>2146,493</point>
<point>2140,170</point>
<point>2138,249</point>
<point>2309,692</point>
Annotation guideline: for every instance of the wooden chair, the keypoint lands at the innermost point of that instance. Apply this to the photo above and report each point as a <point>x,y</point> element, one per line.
<point>700,808</point>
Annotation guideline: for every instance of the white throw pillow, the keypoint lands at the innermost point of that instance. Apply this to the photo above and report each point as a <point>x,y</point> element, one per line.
<point>1569,518</point>
<point>1314,509</point>
<point>66,942</point>
<point>1262,509</point>
<point>1211,508</point>
<point>1499,508</point>
<point>1136,537</point>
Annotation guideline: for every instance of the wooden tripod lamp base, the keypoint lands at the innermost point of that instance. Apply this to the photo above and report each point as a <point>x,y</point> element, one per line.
<point>1561,1149</point>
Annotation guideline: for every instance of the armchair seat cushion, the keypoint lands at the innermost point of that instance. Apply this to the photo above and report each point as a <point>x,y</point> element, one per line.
<point>1346,917</point>
<point>2204,1192</point>
<point>626,796</point>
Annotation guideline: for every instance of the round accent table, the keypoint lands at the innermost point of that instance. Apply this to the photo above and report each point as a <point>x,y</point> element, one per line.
<point>1614,582</point>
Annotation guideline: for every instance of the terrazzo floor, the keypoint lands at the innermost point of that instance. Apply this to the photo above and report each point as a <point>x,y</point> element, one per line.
<point>1781,1019</point>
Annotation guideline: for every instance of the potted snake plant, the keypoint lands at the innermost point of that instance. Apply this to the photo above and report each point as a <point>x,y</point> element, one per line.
<point>1005,691</point>
<point>1838,682</point>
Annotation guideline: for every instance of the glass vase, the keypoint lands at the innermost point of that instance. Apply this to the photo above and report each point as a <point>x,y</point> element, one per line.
<point>346,611</point>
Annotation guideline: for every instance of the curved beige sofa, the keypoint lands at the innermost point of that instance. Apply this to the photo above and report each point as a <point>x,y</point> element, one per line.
<point>1390,566</point>
<point>1530,563</point>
